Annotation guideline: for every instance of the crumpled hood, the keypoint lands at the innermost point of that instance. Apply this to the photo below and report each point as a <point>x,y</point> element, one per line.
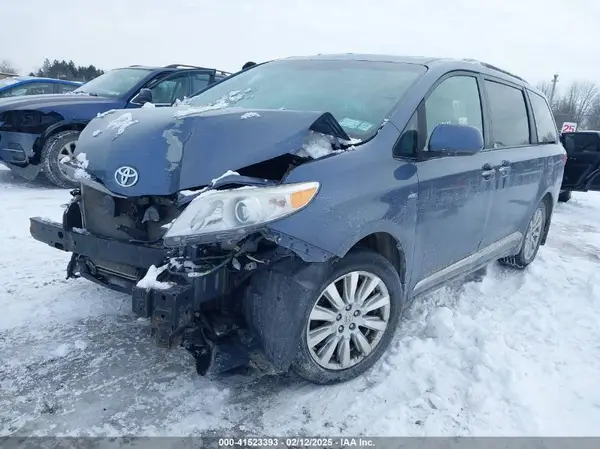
<point>50,101</point>
<point>173,149</point>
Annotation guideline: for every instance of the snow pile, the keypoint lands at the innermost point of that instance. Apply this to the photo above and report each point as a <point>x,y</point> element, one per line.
<point>440,323</point>
<point>316,145</point>
<point>248,115</point>
<point>186,109</point>
<point>224,175</point>
<point>82,161</point>
<point>150,280</point>
<point>104,114</point>
<point>149,105</point>
<point>121,123</point>
<point>96,133</point>
<point>81,174</point>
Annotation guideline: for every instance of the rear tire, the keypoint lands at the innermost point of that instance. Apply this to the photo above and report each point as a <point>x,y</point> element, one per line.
<point>351,344</point>
<point>55,148</point>
<point>564,196</point>
<point>531,241</point>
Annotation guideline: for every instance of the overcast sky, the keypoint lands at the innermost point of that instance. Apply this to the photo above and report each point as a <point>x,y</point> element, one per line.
<point>533,38</point>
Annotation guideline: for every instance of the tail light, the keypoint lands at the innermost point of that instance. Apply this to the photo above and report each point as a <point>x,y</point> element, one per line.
<point>564,158</point>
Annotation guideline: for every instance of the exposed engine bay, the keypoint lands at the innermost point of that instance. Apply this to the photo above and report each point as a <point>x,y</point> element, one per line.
<point>188,256</point>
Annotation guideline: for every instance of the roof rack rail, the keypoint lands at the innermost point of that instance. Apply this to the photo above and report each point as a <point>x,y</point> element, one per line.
<point>218,72</point>
<point>174,66</point>
<point>498,69</point>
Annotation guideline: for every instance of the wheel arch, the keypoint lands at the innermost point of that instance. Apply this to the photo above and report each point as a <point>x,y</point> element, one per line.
<point>389,247</point>
<point>52,131</point>
<point>549,202</point>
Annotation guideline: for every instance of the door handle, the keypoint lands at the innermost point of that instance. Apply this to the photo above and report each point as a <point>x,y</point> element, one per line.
<point>488,171</point>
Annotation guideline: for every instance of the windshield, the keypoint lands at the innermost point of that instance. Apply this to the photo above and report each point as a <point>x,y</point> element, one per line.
<point>115,83</point>
<point>359,94</point>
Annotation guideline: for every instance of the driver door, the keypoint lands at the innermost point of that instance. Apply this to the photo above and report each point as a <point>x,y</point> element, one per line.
<point>165,90</point>
<point>583,158</point>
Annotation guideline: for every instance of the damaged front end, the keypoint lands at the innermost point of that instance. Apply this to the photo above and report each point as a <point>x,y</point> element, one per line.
<point>187,256</point>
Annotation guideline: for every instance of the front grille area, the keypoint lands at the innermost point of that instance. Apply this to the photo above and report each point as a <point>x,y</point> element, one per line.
<point>106,215</point>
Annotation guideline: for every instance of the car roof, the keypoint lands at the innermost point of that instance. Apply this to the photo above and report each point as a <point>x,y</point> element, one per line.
<point>174,67</point>
<point>430,62</point>
<point>22,79</point>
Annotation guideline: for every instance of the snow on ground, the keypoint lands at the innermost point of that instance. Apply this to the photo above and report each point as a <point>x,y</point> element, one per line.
<point>513,353</point>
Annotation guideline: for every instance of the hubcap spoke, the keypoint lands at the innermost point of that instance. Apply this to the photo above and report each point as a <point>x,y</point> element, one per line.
<point>373,322</point>
<point>328,348</point>
<point>361,342</point>
<point>366,289</point>
<point>375,302</point>
<point>319,334</point>
<point>322,314</point>
<point>350,285</point>
<point>343,352</point>
<point>333,296</point>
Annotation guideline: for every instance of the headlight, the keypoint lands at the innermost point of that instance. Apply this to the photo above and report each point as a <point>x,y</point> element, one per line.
<point>223,214</point>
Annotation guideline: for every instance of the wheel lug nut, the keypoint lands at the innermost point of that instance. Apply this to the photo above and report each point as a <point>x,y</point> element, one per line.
<point>356,312</point>
<point>339,317</point>
<point>349,306</point>
<point>341,328</point>
<point>352,326</point>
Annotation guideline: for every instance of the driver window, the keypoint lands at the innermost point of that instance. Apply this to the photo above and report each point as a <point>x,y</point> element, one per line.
<point>169,90</point>
<point>455,101</point>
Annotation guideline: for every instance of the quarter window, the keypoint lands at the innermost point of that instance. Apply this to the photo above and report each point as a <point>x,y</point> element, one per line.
<point>510,124</point>
<point>455,101</point>
<point>544,122</point>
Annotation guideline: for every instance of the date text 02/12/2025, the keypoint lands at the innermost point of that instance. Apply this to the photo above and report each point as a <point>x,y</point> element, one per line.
<point>296,442</point>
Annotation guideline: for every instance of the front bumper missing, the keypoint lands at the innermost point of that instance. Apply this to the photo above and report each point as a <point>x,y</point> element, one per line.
<point>173,312</point>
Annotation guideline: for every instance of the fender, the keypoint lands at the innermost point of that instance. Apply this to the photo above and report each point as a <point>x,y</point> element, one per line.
<point>78,124</point>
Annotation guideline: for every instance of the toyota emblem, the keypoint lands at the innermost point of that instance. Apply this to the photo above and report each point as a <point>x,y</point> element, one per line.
<point>126,176</point>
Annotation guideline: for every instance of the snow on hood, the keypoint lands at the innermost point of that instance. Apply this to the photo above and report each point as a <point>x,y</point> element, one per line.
<point>174,149</point>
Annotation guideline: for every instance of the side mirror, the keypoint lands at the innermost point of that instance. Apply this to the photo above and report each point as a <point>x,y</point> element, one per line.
<point>455,139</point>
<point>144,96</point>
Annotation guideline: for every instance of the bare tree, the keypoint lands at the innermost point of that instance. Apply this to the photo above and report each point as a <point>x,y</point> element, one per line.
<point>7,67</point>
<point>576,103</point>
<point>545,87</point>
<point>593,118</point>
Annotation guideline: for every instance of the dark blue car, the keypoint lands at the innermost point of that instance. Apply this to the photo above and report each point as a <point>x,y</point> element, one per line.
<point>295,209</point>
<point>16,86</point>
<point>37,131</point>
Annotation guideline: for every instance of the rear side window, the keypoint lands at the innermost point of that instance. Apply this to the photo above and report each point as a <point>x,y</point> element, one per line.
<point>510,124</point>
<point>544,122</point>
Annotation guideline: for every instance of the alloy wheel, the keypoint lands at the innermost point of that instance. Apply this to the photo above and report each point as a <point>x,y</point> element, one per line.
<point>348,320</point>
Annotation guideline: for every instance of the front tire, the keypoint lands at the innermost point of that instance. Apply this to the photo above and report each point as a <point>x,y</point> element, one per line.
<point>531,241</point>
<point>58,146</point>
<point>564,196</point>
<point>354,314</point>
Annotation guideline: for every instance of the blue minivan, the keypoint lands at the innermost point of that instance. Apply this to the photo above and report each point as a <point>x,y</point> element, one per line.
<point>292,211</point>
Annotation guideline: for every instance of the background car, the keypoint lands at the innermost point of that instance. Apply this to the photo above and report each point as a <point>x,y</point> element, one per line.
<point>582,172</point>
<point>30,85</point>
<point>36,132</point>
